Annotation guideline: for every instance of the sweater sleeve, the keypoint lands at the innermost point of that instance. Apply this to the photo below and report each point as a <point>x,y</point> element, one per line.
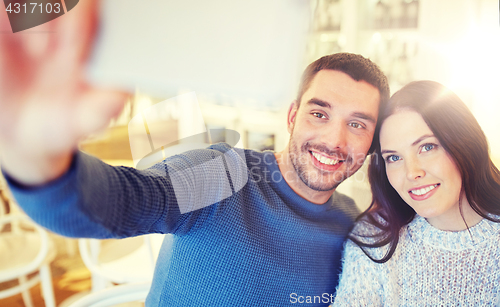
<point>94,199</point>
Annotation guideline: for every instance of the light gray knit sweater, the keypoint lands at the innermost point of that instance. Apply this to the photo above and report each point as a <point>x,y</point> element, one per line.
<point>430,267</point>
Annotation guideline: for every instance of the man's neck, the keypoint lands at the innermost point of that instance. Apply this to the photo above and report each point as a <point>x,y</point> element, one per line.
<point>296,184</point>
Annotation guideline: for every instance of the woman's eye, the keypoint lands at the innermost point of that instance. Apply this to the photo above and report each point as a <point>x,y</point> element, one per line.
<point>319,115</point>
<point>427,147</point>
<point>392,158</point>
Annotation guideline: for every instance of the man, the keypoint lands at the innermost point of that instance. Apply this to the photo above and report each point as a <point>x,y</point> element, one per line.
<point>250,228</point>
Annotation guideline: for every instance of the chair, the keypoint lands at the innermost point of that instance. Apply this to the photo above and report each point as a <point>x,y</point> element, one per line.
<point>135,292</point>
<point>25,248</point>
<point>120,261</point>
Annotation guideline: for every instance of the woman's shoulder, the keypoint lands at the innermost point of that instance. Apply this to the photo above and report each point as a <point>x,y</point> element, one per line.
<point>420,231</point>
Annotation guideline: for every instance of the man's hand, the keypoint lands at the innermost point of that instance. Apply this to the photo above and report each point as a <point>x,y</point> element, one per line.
<point>46,106</point>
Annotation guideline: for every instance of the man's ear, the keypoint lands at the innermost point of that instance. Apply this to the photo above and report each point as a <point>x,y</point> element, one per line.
<point>292,112</point>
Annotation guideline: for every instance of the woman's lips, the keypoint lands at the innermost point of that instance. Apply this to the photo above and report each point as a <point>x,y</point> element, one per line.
<point>423,192</point>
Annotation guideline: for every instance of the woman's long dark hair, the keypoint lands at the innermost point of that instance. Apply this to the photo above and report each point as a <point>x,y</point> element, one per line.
<point>463,139</point>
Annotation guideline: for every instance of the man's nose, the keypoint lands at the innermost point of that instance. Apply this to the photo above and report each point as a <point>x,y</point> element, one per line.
<point>335,135</point>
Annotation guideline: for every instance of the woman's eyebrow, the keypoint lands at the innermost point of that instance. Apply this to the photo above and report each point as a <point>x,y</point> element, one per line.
<point>420,139</point>
<point>387,151</point>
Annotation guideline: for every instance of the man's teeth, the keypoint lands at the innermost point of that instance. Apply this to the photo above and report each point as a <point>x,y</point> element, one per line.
<point>424,190</point>
<point>324,159</point>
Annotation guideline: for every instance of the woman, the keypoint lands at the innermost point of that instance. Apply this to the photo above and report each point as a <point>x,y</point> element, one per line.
<point>431,236</point>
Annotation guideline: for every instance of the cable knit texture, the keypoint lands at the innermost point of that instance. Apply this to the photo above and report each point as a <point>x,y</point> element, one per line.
<point>260,244</point>
<point>430,267</point>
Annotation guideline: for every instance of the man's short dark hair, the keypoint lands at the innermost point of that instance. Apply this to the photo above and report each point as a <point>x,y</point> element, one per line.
<point>354,65</point>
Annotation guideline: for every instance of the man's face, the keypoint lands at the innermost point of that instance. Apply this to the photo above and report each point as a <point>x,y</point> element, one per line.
<point>332,130</point>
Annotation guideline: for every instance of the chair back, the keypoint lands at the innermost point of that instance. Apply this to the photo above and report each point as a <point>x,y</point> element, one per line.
<point>120,261</point>
<point>25,249</point>
<point>128,293</point>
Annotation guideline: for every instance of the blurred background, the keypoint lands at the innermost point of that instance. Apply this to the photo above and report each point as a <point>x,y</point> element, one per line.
<point>243,59</point>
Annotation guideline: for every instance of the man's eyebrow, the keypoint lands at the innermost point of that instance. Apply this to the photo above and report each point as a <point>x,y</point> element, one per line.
<point>324,104</point>
<point>365,116</point>
<point>319,102</point>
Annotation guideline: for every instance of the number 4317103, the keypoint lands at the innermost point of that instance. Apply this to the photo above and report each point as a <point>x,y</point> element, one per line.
<point>35,8</point>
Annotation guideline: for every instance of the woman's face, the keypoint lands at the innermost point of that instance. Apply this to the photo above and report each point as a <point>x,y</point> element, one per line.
<point>421,171</point>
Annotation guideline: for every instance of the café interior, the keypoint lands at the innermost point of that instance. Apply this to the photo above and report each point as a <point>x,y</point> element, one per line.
<point>233,70</point>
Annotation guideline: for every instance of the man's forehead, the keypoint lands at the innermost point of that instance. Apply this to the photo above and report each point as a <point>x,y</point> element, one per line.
<point>337,85</point>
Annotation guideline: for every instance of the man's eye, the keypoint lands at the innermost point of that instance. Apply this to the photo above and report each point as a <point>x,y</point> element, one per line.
<point>392,158</point>
<point>356,125</point>
<point>319,115</point>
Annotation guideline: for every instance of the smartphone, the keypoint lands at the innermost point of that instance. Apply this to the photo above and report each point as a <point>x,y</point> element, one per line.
<point>245,49</point>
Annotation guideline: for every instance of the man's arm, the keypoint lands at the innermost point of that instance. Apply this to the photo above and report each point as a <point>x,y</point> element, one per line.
<point>94,199</point>
<point>97,200</point>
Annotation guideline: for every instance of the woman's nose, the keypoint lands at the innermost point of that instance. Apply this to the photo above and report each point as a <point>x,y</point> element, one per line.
<point>414,169</point>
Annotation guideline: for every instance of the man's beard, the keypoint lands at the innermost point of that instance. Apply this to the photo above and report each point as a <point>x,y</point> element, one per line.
<point>314,179</point>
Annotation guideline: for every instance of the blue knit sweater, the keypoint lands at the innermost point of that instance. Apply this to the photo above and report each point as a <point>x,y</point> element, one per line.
<point>242,237</point>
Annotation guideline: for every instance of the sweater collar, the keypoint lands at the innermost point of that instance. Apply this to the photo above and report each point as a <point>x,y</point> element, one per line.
<point>420,229</point>
<point>291,198</point>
